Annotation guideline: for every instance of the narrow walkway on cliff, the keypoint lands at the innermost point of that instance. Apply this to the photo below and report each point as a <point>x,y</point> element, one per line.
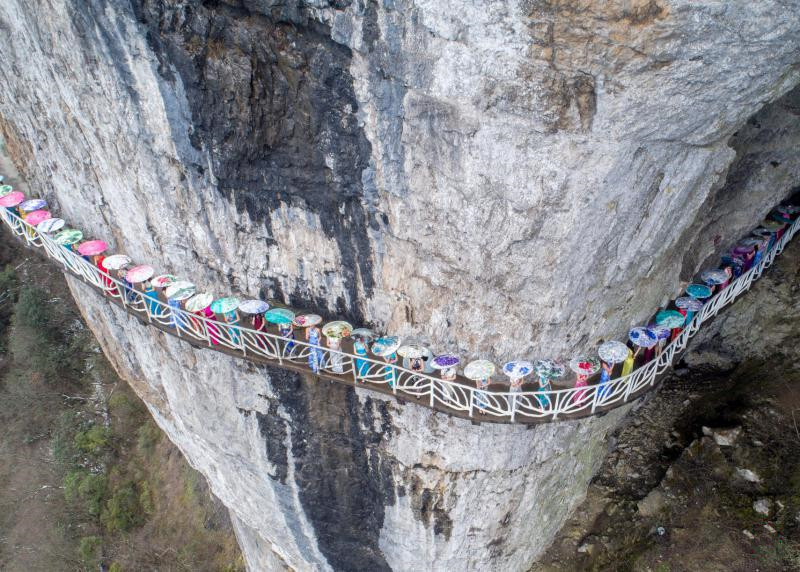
<point>456,395</point>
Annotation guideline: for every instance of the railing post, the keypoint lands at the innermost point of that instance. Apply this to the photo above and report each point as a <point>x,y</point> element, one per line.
<point>471,401</point>
<point>353,364</point>
<point>513,399</point>
<point>431,384</point>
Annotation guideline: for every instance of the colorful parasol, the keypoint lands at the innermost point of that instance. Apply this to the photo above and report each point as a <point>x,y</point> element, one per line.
<point>32,205</point>
<point>412,351</point>
<point>140,273</point>
<point>584,365</point>
<point>68,236</point>
<point>768,224</point>
<point>613,352</point>
<point>50,225</point>
<point>6,189</point>
<point>548,368</point>
<point>92,247</point>
<point>643,337</point>
<point>307,320</point>
<point>12,199</point>
<point>35,217</point>
<point>385,346</point>
<point>279,316</point>
<point>116,261</point>
<point>164,280</point>
<point>517,369</point>
<point>445,361</point>
<point>199,302</point>
<point>362,334</point>
<point>699,291</point>
<point>479,370</point>
<point>224,305</point>
<point>715,276</point>
<point>337,329</point>
<point>780,216</point>
<point>689,304</point>
<point>253,306</point>
<point>670,319</point>
<point>663,332</point>
<point>180,290</point>
<point>788,209</point>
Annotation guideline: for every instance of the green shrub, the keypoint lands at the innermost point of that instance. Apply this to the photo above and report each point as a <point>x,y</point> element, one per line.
<point>88,548</point>
<point>94,440</point>
<point>123,511</point>
<point>146,498</point>
<point>115,567</point>
<point>82,485</point>
<point>147,436</point>
<point>31,309</point>
<point>63,439</point>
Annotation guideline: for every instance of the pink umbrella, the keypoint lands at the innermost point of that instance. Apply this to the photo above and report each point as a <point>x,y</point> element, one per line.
<point>36,217</point>
<point>92,247</point>
<point>12,199</point>
<point>139,273</point>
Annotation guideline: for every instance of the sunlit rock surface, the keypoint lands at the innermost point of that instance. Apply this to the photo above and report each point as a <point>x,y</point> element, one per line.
<point>505,178</point>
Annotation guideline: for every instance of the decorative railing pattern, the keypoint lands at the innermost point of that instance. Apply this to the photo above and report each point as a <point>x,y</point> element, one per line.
<point>459,397</point>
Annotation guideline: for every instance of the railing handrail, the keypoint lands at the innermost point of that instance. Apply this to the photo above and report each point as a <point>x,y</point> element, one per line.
<point>460,396</point>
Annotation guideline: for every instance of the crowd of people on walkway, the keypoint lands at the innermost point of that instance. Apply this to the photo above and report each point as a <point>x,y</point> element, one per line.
<point>224,317</point>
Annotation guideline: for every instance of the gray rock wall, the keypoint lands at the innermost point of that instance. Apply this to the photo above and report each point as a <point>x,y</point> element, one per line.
<point>506,178</point>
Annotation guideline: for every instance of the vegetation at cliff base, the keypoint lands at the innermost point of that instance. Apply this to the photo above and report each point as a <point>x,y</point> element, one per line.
<point>86,476</point>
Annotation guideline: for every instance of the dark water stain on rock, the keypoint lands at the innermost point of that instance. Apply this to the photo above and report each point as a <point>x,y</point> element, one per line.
<point>344,482</point>
<point>274,110</point>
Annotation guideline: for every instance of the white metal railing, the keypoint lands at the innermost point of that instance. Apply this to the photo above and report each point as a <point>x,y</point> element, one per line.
<point>461,396</point>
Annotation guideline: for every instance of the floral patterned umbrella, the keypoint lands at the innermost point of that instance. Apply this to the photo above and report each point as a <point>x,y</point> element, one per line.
<point>224,305</point>
<point>584,365</point>
<point>164,280</point>
<point>279,316</point>
<point>759,241</point>
<point>337,329</point>
<point>92,247</point>
<point>364,334</point>
<point>643,337</point>
<point>253,306</point>
<point>445,361</point>
<point>50,225</point>
<point>613,352</point>
<point>36,217</point>
<point>68,236</point>
<point>517,369</point>
<point>689,304</point>
<point>307,320</point>
<point>412,351</point>
<point>663,332</point>
<point>116,261</point>
<point>479,370</point>
<point>6,189</point>
<point>385,346</point>
<point>12,199</point>
<point>139,273</point>
<point>32,205</point>
<point>199,302</point>
<point>699,291</point>
<point>763,232</point>
<point>670,319</point>
<point>180,290</point>
<point>714,276</point>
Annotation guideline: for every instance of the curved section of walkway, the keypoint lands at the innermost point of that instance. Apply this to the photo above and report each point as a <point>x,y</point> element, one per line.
<point>460,398</point>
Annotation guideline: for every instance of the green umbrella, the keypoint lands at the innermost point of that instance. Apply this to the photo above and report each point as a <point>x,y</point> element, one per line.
<point>670,319</point>
<point>199,302</point>
<point>180,290</point>
<point>68,236</point>
<point>279,316</point>
<point>224,305</point>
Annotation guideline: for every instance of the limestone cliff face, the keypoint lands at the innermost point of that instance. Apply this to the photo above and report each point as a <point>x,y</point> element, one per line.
<point>506,178</point>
